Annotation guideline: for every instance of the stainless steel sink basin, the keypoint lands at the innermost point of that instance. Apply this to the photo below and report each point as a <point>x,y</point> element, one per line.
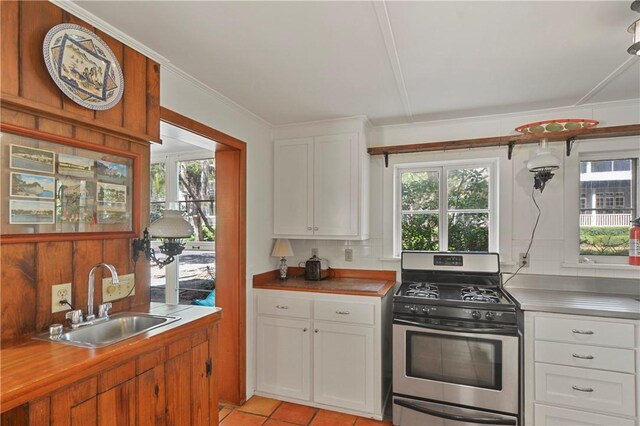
<point>117,328</point>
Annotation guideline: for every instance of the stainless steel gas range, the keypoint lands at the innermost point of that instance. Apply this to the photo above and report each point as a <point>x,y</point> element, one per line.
<point>456,345</point>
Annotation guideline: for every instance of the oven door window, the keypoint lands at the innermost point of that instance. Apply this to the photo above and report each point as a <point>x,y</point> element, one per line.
<point>467,361</point>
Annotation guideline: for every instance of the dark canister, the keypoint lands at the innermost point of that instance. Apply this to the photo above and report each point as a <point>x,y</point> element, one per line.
<point>316,269</point>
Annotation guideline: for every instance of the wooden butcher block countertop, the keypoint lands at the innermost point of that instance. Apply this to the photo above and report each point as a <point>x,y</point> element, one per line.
<point>341,281</point>
<point>32,368</point>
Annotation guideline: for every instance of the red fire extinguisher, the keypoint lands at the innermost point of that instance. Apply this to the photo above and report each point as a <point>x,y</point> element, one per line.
<point>634,242</point>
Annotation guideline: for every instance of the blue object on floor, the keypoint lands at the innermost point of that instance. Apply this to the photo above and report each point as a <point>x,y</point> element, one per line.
<point>210,300</point>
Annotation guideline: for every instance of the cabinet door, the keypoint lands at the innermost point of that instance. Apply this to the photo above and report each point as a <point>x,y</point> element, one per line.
<point>336,171</point>
<point>284,357</point>
<point>293,187</point>
<point>117,406</point>
<point>151,397</point>
<point>178,383</point>
<point>343,370</point>
<point>77,404</point>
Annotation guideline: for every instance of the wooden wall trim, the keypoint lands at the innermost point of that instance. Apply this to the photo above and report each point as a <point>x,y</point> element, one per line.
<point>224,140</point>
<point>25,105</point>
<point>231,183</point>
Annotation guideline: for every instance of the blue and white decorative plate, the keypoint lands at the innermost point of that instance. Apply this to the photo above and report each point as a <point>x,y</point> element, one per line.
<point>83,66</point>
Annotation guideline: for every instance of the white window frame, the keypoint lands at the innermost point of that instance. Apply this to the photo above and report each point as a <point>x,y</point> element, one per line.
<point>595,154</point>
<point>443,209</point>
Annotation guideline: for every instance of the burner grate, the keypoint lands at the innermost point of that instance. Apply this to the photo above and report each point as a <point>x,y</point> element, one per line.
<point>423,290</point>
<point>477,294</point>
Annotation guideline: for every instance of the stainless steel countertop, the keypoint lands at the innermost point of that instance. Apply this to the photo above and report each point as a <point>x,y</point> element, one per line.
<point>577,302</point>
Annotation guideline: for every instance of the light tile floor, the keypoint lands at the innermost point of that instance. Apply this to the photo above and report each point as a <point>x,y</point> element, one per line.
<point>259,411</point>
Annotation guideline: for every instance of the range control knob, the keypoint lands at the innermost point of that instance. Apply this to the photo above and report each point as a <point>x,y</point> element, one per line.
<point>413,309</point>
<point>490,316</point>
<point>476,315</point>
<point>426,311</point>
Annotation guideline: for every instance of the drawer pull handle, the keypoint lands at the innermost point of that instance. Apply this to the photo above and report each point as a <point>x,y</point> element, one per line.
<point>582,356</point>
<point>342,312</point>
<point>575,331</point>
<point>578,388</point>
<point>282,307</point>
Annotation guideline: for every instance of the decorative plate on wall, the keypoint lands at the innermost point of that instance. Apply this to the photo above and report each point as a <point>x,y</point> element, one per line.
<point>559,125</point>
<point>83,66</point>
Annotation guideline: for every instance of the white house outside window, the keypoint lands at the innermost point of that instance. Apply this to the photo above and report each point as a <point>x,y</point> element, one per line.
<point>448,207</point>
<point>609,185</point>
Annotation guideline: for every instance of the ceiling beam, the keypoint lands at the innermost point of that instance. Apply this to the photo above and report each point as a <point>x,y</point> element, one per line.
<point>384,22</point>
<point>592,133</point>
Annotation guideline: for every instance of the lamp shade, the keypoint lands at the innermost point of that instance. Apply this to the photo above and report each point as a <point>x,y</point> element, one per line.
<point>543,160</point>
<point>282,248</point>
<point>171,225</point>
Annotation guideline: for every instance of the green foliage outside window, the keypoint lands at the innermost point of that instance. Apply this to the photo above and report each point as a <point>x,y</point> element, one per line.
<point>604,240</point>
<point>467,189</point>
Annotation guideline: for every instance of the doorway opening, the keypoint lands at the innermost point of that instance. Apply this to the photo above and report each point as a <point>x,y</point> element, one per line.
<point>182,177</point>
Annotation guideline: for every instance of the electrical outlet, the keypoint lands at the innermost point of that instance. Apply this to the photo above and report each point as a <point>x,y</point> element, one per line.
<point>524,260</point>
<point>315,252</point>
<point>348,255</point>
<point>114,292</point>
<point>60,292</point>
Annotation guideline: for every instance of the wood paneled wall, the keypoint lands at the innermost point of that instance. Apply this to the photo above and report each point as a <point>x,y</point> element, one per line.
<point>30,99</point>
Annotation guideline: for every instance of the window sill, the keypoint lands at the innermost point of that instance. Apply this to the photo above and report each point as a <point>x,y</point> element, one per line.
<point>610,266</point>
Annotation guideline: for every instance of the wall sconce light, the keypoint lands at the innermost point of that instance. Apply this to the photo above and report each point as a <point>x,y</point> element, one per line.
<point>543,164</point>
<point>172,229</point>
<point>281,249</point>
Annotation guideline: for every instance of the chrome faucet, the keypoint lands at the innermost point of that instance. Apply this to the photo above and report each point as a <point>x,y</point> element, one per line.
<point>114,276</point>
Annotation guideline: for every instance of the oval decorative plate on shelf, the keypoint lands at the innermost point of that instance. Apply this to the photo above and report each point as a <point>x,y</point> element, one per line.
<point>559,125</point>
<point>83,66</point>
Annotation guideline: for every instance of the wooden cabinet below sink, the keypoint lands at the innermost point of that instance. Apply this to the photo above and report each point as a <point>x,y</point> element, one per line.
<point>169,382</point>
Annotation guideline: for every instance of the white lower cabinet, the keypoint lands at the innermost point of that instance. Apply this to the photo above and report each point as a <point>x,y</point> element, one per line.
<point>331,356</point>
<point>581,370</point>
<point>284,357</point>
<point>556,416</point>
<point>343,365</point>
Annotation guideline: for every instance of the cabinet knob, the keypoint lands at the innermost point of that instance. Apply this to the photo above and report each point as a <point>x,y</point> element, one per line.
<point>315,228</point>
<point>304,330</point>
<point>316,330</point>
<point>309,228</point>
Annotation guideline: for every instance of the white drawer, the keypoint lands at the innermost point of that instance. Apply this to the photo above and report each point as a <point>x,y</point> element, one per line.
<point>357,313</point>
<point>556,416</point>
<point>284,306</point>
<point>612,359</point>
<point>585,388</point>
<point>590,332</point>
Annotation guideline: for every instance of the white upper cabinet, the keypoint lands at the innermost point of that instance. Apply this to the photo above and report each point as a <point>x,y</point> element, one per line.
<point>321,187</point>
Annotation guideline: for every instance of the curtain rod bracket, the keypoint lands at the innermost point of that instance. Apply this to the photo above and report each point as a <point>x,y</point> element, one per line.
<point>570,142</point>
<point>510,152</point>
<point>386,160</point>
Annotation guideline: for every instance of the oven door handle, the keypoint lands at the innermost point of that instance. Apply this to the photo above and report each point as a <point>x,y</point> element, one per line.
<point>509,331</point>
<point>456,417</point>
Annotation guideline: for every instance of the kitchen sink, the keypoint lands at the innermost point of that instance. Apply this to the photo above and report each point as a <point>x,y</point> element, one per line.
<point>117,328</point>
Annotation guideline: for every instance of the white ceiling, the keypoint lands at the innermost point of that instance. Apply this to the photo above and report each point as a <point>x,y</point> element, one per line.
<point>394,61</point>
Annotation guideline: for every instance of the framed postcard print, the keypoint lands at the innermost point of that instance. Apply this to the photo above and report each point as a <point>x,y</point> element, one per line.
<point>56,188</point>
